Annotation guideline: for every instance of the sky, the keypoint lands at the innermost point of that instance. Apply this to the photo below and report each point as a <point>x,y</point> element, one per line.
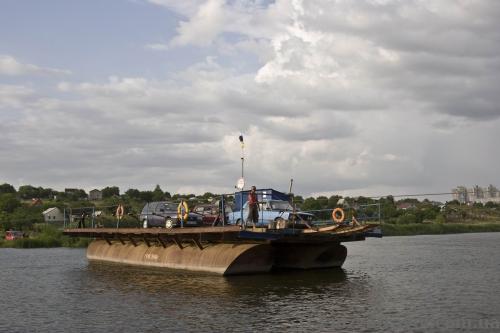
<point>360,97</point>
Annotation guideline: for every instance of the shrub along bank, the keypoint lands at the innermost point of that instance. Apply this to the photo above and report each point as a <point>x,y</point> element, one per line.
<point>437,228</point>
<point>45,236</point>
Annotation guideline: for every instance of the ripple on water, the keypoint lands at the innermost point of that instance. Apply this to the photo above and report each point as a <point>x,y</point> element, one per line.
<point>424,283</point>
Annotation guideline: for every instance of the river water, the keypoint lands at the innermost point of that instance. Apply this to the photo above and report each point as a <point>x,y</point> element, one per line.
<point>444,283</point>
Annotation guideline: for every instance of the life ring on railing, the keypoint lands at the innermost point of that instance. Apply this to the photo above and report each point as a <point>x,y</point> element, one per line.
<point>119,211</point>
<point>180,214</point>
<point>336,218</point>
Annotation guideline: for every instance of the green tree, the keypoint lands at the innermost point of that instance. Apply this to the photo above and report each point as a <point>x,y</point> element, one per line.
<point>9,202</point>
<point>407,218</point>
<point>478,205</point>
<point>28,192</point>
<point>7,188</point>
<point>298,199</point>
<point>332,201</point>
<point>428,210</point>
<point>78,195</point>
<point>364,200</point>
<point>440,218</point>
<point>322,201</point>
<point>46,193</point>
<point>74,195</point>
<point>388,208</point>
<point>23,217</point>
<point>158,194</point>
<point>491,204</point>
<point>146,196</point>
<point>388,199</point>
<point>311,204</point>
<point>108,192</point>
<point>133,193</point>
<point>5,223</point>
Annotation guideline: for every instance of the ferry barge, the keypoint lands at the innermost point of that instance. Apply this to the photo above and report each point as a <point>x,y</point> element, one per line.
<point>226,250</point>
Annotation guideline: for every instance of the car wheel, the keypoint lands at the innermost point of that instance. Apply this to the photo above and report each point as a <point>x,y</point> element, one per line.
<point>169,223</point>
<point>280,223</point>
<point>145,224</point>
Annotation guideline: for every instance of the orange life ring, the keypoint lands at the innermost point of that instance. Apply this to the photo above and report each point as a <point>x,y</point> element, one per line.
<point>119,211</point>
<point>338,219</point>
<point>180,214</point>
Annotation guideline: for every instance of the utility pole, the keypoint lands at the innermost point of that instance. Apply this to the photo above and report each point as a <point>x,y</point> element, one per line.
<point>242,156</point>
<point>241,183</point>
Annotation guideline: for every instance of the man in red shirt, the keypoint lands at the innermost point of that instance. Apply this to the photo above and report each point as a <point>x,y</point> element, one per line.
<point>253,206</point>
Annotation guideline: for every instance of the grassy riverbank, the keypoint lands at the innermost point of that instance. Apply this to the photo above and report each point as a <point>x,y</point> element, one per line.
<point>45,242</point>
<point>437,228</point>
<point>45,237</point>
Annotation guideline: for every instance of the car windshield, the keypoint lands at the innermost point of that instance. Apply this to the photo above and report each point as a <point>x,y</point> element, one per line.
<point>170,206</point>
<point>280,205</point>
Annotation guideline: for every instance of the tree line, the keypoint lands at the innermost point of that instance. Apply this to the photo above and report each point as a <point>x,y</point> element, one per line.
<point>17,210</point>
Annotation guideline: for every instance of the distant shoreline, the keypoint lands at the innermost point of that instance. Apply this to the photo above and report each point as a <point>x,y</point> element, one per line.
<point>437,228</point>
<point>41,242</point>
<point>58,240</point>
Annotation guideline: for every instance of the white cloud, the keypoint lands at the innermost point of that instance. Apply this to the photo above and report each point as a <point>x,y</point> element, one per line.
<point>158,47</point>
<point>203,27</point>
<point>187,7</point>
<point>360,97</point>
<point>14,96</point>
<point>115,85</point>
<point>377,49</point>
<point>12,67</point>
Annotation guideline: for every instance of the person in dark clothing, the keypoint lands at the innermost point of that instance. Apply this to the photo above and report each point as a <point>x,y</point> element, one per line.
<point>253,206</point>
<point>81,223</point>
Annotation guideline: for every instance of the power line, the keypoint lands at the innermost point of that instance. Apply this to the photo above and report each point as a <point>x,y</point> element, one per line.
<point>412,195</point>
<point>421,194</point>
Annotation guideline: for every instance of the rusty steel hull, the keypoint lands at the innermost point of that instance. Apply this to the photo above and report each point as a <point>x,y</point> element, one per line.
<point>226,259</point>
<point>221,258</point>
<point>309,256</point>
<point>223,250</point>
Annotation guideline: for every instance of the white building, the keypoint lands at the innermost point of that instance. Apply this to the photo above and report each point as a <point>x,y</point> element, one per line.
<point>461,194</point>
<point>476,194</point>
<point>53,214</point>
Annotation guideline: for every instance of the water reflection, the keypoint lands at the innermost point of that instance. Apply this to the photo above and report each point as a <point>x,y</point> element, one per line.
<point>285,282</point>
<point>125,278</point>
<point>303,295</point>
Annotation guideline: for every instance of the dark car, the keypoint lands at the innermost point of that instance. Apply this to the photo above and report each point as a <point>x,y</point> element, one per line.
<point>211,213</point>
<point>164,214</point>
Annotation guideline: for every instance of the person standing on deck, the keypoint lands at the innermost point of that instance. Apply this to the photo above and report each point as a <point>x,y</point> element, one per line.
<point>81,223</point>
<point>253,207</point>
